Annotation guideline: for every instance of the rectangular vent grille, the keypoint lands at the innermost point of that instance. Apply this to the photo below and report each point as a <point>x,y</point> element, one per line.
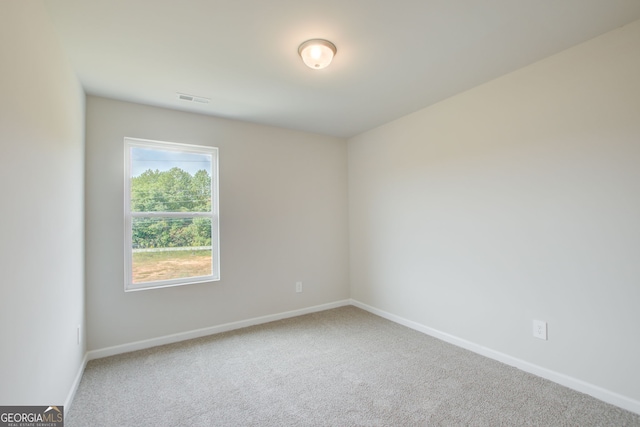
<point>193,98</point>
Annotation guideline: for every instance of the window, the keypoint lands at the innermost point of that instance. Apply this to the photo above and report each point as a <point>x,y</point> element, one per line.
<point>171,214</point>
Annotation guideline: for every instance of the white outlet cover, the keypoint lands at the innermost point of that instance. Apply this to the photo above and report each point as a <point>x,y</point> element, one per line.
<point>540,329</point>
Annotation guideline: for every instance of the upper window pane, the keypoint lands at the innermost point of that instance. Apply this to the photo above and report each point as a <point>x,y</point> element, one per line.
<point>170,181</point>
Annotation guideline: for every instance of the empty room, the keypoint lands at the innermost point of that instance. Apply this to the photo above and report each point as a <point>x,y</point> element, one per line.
<point>337,213</point>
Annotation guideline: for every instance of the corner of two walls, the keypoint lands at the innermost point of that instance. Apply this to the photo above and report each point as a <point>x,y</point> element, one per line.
<point>513,201</point>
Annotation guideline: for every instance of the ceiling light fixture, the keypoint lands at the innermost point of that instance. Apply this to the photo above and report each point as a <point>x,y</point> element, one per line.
<point>317,53</point>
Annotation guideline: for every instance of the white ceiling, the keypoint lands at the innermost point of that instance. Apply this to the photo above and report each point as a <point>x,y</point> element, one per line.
<point>394,56</point>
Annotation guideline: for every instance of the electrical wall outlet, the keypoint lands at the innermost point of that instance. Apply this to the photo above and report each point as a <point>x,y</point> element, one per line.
<point>298,286</point>
<point>540,329</point>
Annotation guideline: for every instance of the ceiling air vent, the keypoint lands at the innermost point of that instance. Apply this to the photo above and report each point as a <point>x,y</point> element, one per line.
<point>193,98</point>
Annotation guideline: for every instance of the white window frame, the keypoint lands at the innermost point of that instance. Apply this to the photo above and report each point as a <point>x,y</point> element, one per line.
<point>130,143</point>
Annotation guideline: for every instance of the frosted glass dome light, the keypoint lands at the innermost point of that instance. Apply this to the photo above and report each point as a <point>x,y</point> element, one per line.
<point>317,53</point>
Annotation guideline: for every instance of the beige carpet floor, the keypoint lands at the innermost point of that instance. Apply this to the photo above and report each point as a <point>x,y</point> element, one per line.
<point>341,367</point>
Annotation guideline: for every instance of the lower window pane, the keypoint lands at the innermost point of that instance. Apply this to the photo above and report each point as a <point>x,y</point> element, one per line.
<point>171,248</point>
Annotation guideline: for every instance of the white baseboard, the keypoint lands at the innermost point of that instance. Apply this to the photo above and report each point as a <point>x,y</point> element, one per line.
<point>562,379</point>
<point>565,380</point>
<point>76,383</point>
<point>197,333</point>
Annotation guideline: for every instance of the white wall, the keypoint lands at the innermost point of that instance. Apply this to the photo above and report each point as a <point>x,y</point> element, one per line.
<point>41,231</point>
<point>516,200</point>
<point>283,218</point>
